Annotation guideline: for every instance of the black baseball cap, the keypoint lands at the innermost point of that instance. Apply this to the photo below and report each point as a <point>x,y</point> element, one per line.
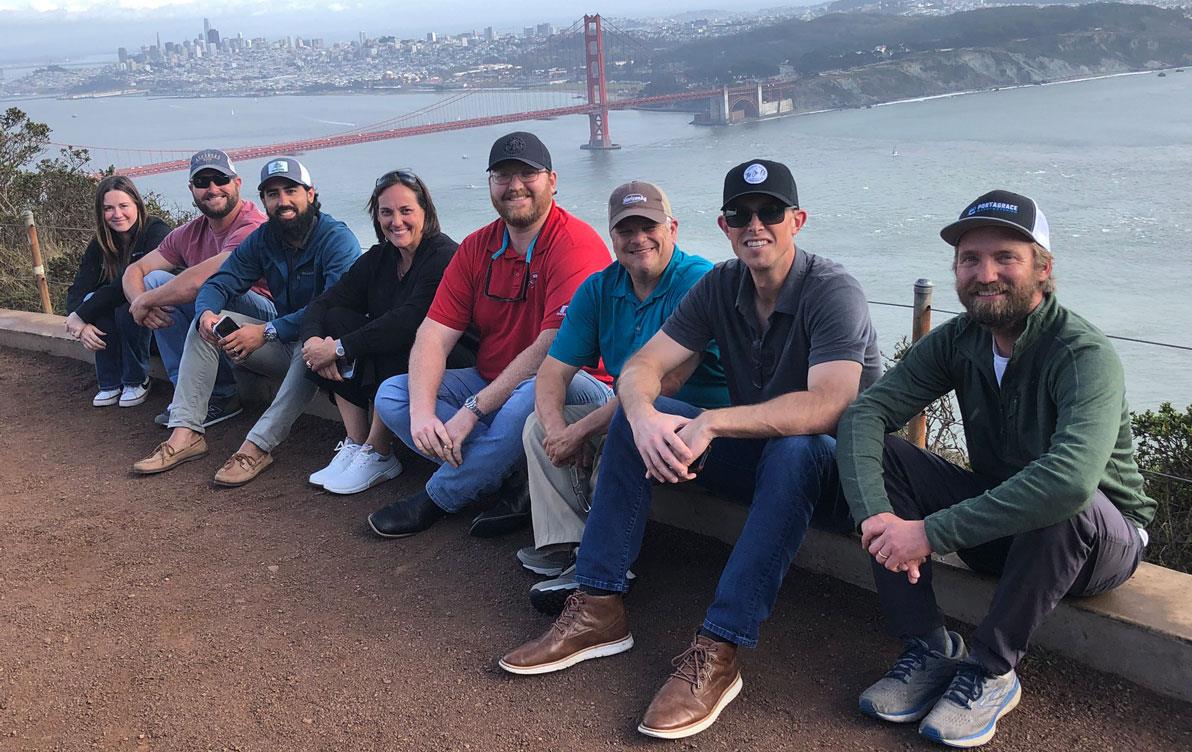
<point>522,146</point>
<point>1001,209</point>
<point>760,176</point>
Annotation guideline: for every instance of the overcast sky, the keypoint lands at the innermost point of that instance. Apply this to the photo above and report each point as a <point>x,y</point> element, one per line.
<point>44,30</point>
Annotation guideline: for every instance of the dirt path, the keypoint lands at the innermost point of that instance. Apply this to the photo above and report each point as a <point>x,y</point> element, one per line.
<point>163,613</point>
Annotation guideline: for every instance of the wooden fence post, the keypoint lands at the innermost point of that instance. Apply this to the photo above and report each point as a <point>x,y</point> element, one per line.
<point>39,270</point>
<point>920,325</point>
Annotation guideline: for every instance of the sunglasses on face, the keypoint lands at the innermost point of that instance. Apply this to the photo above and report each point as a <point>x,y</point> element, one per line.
<point>402,175</point>
<point>505,177</point>
<point>203,181</point>
<point>741,216</point>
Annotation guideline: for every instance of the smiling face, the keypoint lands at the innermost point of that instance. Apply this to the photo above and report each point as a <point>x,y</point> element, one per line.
<point>285,201</point>
<point>527,195</point>
<point>401,217</point>
<point>644,247</point>
<point>760,246</point>
<point>997,278</point>
<point>215,201</point>
<point>119,211</point>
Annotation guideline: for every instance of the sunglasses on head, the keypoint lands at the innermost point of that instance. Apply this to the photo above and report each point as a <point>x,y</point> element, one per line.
<point>740,216</point>
<point>203,181</point>
<point>402,175</point>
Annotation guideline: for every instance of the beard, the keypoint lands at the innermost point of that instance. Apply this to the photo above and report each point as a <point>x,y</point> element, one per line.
<point>294,231</point>
<point>1008,313</point>
<point>207,211</point>
<point>540,205</point>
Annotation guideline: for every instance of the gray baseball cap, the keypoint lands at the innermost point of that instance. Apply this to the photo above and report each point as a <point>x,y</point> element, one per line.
<point>212,159</point>
<point>285,167</point>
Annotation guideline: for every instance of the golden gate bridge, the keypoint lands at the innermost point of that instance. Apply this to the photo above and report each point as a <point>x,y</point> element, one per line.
<point>476,105</point>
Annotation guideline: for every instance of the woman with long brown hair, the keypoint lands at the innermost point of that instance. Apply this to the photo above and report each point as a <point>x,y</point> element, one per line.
<point>98,313</point>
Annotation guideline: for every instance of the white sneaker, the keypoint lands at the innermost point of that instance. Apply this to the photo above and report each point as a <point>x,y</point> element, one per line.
<point>367,470</point>
<point>105,397</point>
<point>131,396</point>
<point>344,452</point>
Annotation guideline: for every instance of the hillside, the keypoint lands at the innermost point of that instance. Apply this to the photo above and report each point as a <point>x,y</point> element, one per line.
<point>854,59</point>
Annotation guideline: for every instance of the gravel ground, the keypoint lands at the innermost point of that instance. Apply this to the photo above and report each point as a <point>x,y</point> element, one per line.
<point>165,613</point>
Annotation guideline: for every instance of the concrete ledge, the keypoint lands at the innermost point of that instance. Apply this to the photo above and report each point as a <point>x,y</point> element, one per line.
<point>1142,631</point>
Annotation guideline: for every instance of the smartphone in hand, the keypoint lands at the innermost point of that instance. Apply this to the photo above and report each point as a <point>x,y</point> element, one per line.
<point>224,327</point>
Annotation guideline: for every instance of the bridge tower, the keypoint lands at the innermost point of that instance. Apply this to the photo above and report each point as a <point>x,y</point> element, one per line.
<point>598,137</point>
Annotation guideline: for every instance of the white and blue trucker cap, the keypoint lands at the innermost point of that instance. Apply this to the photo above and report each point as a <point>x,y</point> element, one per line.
<point>288,168</point>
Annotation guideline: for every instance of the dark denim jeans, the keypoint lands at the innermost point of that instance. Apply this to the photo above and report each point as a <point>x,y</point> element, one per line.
<point>788,482</point>
<point>125,360</point>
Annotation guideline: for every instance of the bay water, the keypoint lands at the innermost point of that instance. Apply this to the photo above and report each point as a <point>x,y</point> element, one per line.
<point>1108,160</point>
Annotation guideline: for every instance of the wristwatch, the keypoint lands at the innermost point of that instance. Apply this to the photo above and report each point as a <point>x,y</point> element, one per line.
<point>339,349</point>
<point>471,406</point>
<point>270,332</point>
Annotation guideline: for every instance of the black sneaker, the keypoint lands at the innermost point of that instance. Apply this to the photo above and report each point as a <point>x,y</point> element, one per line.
<point>511,512</point>
<point>405,517</point>
<point>220,410</point>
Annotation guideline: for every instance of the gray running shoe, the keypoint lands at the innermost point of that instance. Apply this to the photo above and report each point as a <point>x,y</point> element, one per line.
<point>918,679</point>
<point>550,563</point>
<point>966,716</point>
<point>549,596</point>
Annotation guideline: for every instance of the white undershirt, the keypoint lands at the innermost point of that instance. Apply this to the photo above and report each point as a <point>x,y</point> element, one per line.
<point>999,364</point>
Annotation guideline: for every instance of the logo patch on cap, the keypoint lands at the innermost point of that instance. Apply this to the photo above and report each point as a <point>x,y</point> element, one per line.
<point>278,166</point>
<point>633,198</point>
<point>515,145</point>
<point>993,206</point>
<point>756,173</point>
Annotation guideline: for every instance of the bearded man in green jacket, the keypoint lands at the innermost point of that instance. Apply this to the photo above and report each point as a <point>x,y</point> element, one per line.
<point>1053,504</point>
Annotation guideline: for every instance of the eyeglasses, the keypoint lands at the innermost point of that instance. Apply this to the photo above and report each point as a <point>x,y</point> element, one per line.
<point>202,181</point>
<point>740,216</point>
<point>505,177</point>
<point>402,175</point>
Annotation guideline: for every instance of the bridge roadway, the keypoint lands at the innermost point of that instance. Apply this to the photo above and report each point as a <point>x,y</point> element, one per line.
<point>164,614</point>
<point>348,139</point>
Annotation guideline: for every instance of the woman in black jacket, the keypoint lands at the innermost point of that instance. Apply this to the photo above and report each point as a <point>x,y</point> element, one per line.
<point>359,332</point>
<point>98,313</point>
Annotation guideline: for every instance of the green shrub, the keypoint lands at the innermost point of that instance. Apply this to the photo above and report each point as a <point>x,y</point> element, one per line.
<point>1164,451</point>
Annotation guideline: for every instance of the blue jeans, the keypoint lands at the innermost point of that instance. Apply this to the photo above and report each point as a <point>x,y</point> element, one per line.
<point>789,483</point>
<point>493,448</point>
<point>171,339</point>
<point>125,360</point>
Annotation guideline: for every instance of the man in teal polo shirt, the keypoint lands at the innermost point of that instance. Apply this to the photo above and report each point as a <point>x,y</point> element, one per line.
<point>612,314</point>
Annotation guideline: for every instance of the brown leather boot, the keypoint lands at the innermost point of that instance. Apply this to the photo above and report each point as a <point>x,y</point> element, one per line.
<point>591,626</point>
<point>706,679</point>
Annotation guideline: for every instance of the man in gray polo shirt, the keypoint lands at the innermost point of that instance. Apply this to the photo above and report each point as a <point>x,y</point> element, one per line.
<point>797,346</point>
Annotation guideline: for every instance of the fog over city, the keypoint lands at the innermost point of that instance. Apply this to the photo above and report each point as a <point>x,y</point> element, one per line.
<point>41,31</point>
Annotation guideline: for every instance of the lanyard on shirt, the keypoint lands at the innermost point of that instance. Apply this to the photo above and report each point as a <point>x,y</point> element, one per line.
<point>505,246</point>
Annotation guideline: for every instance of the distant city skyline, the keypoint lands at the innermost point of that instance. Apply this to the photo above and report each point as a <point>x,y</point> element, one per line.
<point>44,30</point>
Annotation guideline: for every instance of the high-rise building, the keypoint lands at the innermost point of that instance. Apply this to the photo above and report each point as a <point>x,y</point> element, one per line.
<point>122,55</point>
<point>488,34</point>
<point>363,39</point>
<point>545,30</point>
<point>528,32</point>
<point>432,37</point>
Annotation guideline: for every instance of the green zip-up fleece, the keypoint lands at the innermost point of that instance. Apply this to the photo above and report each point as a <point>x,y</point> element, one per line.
<point>1055,430</point>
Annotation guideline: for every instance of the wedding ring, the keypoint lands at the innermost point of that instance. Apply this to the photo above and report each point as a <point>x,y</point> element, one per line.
<point>882,556</point>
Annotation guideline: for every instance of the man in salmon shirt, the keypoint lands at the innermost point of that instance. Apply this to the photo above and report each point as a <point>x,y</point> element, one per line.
<point>510,283</point>
<point>161,286</point>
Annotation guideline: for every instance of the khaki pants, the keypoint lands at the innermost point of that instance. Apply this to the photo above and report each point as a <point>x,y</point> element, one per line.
<point>560,497</point>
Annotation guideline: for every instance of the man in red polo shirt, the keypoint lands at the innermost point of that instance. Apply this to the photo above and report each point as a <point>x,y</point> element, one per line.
<point>510,283</point>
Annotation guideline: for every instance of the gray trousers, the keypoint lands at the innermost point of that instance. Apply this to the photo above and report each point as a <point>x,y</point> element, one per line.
<point>560,497</point>
<point>1090,553</point>
<point>196,378</point>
